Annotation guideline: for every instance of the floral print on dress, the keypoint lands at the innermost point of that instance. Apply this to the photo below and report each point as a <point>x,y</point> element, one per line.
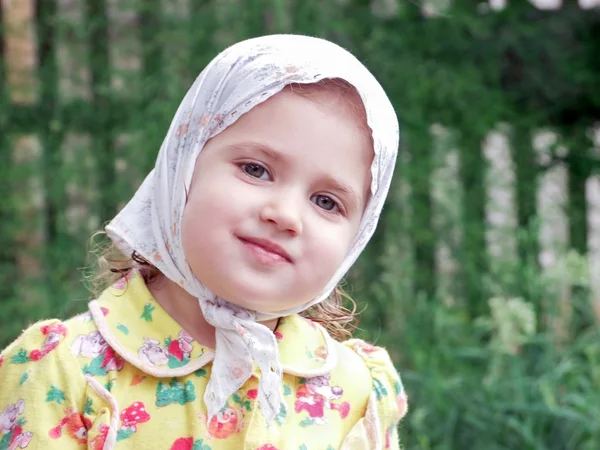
<point>179,350</point>
<point>11,427</point>
<point>73,424</point>
<point>364,349</point>
<point>153,353</point>
<point>121,283</point>
<point>175,392</point>
<point>316,395</point>
<point>231,419</point>
<point>319,354</point>
<point>94,347</point>
<point>131,417</point>
<point>71,407</point>
<point>228,421</point>
<point>173,354</point>
<point>147,313</point>
<point>54,334</point>
<point>97,442</point>
<point>401,397</point>
<point>190,444</point>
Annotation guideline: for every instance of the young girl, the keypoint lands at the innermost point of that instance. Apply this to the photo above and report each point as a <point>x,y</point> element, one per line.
<point>267,187</point>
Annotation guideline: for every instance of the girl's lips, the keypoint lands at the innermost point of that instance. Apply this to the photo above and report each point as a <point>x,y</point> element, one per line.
<point>266,251</point>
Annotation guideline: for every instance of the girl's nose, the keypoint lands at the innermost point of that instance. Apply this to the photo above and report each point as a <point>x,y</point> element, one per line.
<point>284,215</point>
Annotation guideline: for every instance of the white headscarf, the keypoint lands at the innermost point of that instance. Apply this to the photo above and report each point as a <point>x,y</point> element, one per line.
<point>237,80</point>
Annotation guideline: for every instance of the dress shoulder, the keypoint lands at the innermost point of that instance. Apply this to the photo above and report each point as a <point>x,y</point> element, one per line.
<point>388,403</point>
<point>41,382</point>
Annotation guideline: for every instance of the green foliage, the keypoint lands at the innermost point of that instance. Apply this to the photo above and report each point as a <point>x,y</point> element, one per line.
<point>147,314</point>
<point>95,366</point>
<point>55,395</point>
<point>200,445</point>
<point>175,392</point>
<point>88,409</point>
<point>21,357</point>
<point>481,359</point>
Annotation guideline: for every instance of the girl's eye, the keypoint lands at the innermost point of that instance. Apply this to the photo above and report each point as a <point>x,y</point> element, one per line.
<point>324,202</point>
<point>256,171</point>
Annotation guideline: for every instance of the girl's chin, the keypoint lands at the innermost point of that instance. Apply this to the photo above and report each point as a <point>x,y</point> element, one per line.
<point>244,293</point>
<point>262,306</point>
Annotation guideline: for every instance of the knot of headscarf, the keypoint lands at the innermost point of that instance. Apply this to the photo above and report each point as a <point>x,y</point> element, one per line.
<point>241,77</point>
<point>245,341</point>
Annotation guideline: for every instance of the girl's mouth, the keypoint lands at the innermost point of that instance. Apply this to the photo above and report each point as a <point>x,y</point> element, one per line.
<point>267,252</point>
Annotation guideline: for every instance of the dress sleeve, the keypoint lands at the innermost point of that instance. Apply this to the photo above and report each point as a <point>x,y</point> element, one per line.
<point>387,405</point>
<point>42,392</point>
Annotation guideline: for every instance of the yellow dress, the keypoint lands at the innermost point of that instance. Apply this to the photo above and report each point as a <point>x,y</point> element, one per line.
<point>124,375</point>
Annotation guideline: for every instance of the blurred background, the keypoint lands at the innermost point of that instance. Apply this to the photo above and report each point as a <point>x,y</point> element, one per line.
<point>484,276</point>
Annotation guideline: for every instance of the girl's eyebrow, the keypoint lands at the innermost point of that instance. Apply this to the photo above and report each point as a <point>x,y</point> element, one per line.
<point>274,155</point>
<point>260,147</point>
<point>351,195</point>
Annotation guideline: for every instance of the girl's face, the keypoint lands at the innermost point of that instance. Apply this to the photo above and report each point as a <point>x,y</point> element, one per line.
<point>276,199</point>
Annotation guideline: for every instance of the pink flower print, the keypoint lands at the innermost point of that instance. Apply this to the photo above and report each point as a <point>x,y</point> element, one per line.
<point>134,415</point>
<point>364,349</point>
<point>321,353</point>
<point>240,329</point>
<point>97,443</point>
<point>188,443</point>
<point>402,402</point>
<point>112,361</point>
<point>267,447</point>
<point>182,347</point>
<point>252,394</point>
<point>54,334</point>
<point>183,444</point>
<point>121,283</point>
<point>388,434</point>
<point>182,129</point>
<point>237,373</point>
<point>1,360</point>
<point>204,120</point>
<point>36,355</point>
<point>278,335</point>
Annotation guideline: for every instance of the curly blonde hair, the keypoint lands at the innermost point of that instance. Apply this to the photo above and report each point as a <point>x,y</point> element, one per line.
<point>110,264</point>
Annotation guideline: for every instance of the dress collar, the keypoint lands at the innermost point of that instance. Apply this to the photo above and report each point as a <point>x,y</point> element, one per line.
<point>136,326</point>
